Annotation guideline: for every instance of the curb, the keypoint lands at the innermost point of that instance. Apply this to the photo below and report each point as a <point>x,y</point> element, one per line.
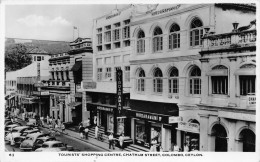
<point>81,139</point>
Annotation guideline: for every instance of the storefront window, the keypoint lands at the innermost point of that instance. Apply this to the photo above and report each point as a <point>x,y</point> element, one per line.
<point>110,123</point>
<point>156,134</point>
<point>120,126</point>
<point>140,133</point>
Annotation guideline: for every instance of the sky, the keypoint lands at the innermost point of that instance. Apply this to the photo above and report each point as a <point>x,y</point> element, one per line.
<point>53,22</point>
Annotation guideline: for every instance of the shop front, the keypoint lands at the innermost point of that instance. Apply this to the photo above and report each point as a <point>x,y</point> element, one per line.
<point>150,122</point>
<point>106,117</point>
<point>189,133</point>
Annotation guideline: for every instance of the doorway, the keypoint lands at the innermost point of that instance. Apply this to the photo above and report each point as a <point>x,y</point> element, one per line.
<point>220,138</point>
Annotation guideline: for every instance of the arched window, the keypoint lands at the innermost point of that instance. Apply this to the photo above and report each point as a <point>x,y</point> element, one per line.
<point>173,80</point>
<point>174,37</point>
<point>140,81</point>
<point>157,39</point>
<point>140,42</point>
<point>157,81</point>
<point>196,32</point>
<point>195,81</point>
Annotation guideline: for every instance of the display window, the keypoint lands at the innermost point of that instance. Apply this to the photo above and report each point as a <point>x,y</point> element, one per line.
<point>192,141</point>
<point>156,134</point>
<point>110,123</point>
<point>140,133</point>
<point>120,126</point>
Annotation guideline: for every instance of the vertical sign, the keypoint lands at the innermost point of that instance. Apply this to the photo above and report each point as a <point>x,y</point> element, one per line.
<point>119,90</point>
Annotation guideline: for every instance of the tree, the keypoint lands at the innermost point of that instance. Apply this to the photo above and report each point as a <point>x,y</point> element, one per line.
<point>16,57</point>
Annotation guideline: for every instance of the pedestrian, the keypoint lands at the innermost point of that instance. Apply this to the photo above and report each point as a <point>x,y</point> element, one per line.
<point>161,149</point>
<point>121,141</point>
<point>12,120</point>
<point>47,119</point>
<point>81,131</point>
<point>111,141</point>
<point>186,148</point>
<point>41,118</point>
<point>59,121</point>
<point>86,132</point>
<point>50,120</point>
<point>176,148</point>
<point>96,132</point>
<point>88,123</point>
<point>154,145</point>
<point>62,127</point>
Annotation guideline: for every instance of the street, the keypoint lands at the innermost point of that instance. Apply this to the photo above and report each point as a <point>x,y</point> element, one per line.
<point>78,145</point>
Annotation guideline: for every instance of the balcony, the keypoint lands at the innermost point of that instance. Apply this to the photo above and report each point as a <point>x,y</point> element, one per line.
<point>235,41</point>
<point>59,83</point>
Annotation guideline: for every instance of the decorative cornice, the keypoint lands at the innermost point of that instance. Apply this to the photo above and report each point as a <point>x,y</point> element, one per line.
<point>165,60</point>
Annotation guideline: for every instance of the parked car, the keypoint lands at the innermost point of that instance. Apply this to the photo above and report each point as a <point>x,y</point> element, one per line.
<point>10,128</point>
<point>10,123</point>
<point>19,139</point>
<point>50,145</point>
<point>16,132</point>
<point>40,140</point>
<point>30,139</point>
<point>31,122</point>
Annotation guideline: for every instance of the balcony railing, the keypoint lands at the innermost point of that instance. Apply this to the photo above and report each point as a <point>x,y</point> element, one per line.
<point>229,40</point>
<point>60,83</point>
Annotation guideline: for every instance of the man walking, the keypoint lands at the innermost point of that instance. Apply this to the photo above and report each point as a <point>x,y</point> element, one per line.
<point>111,141</point>
<point>86,132</point>
<point>121,141</point>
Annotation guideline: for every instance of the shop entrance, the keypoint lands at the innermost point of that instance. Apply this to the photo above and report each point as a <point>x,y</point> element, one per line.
<point>220,138</point>
<point>248,139</point>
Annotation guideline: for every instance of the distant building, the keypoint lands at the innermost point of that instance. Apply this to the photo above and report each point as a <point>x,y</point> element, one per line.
<point>38,54</point>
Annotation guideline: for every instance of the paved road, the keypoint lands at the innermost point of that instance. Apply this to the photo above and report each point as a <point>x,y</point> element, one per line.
<point>77,144</point>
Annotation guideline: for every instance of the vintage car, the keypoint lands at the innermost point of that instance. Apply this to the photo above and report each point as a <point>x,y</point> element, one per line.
<point>31,122</point>
<point>40,140</point>
<point>30,139</point>
<point>10,123</point>
<point>19,139</point>
<point>16,132</point>
<point>50,145</point>
<point>10,128</point>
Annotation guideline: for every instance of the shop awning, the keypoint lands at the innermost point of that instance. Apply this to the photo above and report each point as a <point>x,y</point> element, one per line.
<point>169,109</point>
<point>245,71</point>
<point>77,66</point>
<point>74,104</point>
<point>11,97</point>
<point>218,72</point>
<point>6,97</point>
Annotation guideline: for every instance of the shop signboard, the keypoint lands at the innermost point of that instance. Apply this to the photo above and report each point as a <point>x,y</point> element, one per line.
<point>189,127</point>
<point>89,85</point>
<point>105,108</point>
<point>45,93</point>
<point>119,90</point>
<point>175,119</point>
<point>251,100</point>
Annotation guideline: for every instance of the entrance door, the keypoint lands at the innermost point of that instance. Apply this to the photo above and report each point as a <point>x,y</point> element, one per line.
<point>220,138</point>
<point>103,118</point>
<point>248,138</point>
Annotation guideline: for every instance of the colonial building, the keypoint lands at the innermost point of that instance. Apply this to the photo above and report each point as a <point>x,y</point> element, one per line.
<point>11,89</point>
<point>228,103</point>
<point>166,71</point>
<point>30,96</point>
<point>58,86</point>
<point>111,53</point>
<point>81,72</point>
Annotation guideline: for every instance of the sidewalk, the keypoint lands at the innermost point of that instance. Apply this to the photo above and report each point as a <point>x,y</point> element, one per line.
<point>90,140</point>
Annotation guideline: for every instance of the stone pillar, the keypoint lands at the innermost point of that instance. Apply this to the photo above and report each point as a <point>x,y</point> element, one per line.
<point>232,82</point>
<point>133,129</point>
<point>231,136</point>
<point>166,139</point>
<point>204,80</point>
<point>204,132</point>
<point>178,137</point>
<point>86,98</point>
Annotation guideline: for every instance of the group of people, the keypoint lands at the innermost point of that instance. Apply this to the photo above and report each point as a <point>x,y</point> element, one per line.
<point>111,141</point>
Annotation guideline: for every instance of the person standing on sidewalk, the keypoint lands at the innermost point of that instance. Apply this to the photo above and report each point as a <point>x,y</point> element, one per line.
<point>81,131</point>
<point>96,132</point>
<point>111,141</point>
<point>121,141</point>
<point>86,132</point>
<point>62,127</point>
